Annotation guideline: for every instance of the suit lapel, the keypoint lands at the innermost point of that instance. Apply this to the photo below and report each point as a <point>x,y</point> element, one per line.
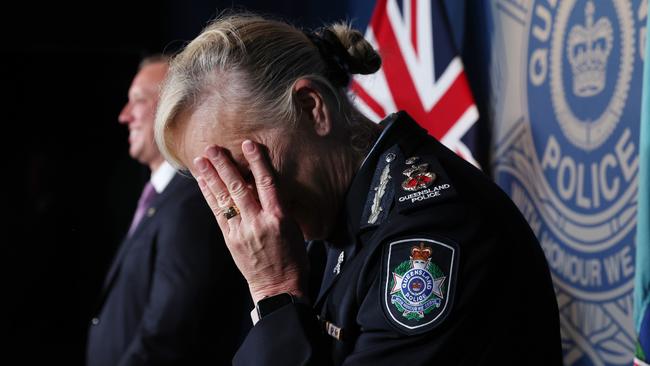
<point>128,241</point>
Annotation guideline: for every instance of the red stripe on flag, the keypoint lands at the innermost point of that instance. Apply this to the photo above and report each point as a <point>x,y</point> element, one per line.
<point>397,73</point>
<point>378,14</point>
<point>414,25</point>
<point>450,107</point>
<point>370,101</point>
<point>455,100</point>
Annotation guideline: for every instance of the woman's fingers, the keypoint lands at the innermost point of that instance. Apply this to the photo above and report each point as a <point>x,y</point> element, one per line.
<point>263,173</point>
<point>213,191</point>
<point>267,247</point>
<point>235,185</point>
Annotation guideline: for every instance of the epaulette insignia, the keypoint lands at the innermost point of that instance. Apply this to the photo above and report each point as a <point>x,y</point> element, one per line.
<point>424,182</point>
<point>381,193</point>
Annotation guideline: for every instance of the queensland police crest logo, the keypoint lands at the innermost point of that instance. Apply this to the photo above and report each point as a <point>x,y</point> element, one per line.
<point>419,275</point>
<point>418,285</point>
<point>567,154</point>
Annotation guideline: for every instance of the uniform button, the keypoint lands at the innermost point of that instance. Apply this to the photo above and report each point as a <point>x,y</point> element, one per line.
<point>95,321</point>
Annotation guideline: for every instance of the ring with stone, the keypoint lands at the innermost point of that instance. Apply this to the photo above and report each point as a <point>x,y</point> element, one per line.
<point>231,212</point>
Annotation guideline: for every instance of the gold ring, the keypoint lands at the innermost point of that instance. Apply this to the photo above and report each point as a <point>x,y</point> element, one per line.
<point>231,212</point>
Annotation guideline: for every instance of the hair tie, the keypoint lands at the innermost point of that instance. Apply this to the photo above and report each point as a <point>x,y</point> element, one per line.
<point>336,57</point>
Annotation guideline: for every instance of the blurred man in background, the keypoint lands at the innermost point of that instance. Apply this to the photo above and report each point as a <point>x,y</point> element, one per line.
<point>172,280</point>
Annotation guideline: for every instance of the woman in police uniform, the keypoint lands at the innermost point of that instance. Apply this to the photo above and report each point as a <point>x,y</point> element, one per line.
<point>416,257</point>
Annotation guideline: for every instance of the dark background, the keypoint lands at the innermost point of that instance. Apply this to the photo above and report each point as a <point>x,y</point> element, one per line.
<point>70,187</point>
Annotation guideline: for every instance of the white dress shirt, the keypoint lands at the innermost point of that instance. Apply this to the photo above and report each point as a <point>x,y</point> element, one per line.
<point>162,176</point>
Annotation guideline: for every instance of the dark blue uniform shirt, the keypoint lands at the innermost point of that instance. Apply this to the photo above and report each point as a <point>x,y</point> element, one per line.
<point>438,268</point>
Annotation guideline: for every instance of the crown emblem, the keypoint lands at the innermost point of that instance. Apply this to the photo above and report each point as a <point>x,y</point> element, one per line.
<point>588,48</point>
<point>420,256</point>
<point>417,177</point>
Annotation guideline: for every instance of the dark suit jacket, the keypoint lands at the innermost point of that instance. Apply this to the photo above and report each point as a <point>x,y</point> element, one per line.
<point>173,295</point>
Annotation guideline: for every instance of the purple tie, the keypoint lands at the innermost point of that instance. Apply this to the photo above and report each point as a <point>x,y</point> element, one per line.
<point>147,196</point>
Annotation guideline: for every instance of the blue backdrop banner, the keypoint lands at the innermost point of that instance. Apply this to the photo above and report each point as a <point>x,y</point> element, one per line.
<point>566,80</point>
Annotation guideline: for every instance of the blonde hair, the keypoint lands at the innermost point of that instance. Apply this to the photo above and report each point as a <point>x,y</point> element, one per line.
<point>250,64</point>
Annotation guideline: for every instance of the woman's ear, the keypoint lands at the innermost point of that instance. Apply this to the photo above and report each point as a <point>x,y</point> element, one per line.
<point>311,103</point>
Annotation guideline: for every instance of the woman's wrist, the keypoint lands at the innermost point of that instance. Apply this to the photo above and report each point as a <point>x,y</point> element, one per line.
<point>290,287</point>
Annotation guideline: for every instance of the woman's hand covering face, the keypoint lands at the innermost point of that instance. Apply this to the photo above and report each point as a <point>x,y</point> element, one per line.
<point>265,243</point>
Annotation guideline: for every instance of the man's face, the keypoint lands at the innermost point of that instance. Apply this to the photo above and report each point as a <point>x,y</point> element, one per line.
<point>139,113</point>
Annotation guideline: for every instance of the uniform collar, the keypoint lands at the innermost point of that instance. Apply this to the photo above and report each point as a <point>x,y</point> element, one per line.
<point>346,242</point>
<point>397,127</point>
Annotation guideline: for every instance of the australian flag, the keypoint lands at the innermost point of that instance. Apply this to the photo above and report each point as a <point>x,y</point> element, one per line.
<point>421,72</point>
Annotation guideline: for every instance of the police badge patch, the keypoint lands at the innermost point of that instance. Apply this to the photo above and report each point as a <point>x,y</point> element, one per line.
<point>418,279</point>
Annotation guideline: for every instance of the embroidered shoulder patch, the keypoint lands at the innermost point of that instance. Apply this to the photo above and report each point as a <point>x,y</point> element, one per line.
<point>418,281</point>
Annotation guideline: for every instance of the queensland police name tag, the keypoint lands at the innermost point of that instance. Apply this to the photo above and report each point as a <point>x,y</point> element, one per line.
<point>418,280</point>
<point>423,182</point>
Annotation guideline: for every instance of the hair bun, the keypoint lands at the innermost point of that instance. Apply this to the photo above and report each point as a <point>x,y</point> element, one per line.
<point>363,59</point>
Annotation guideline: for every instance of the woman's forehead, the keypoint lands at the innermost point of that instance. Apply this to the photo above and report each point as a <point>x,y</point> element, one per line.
<point>197,129</point>
<point>191,133</point>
